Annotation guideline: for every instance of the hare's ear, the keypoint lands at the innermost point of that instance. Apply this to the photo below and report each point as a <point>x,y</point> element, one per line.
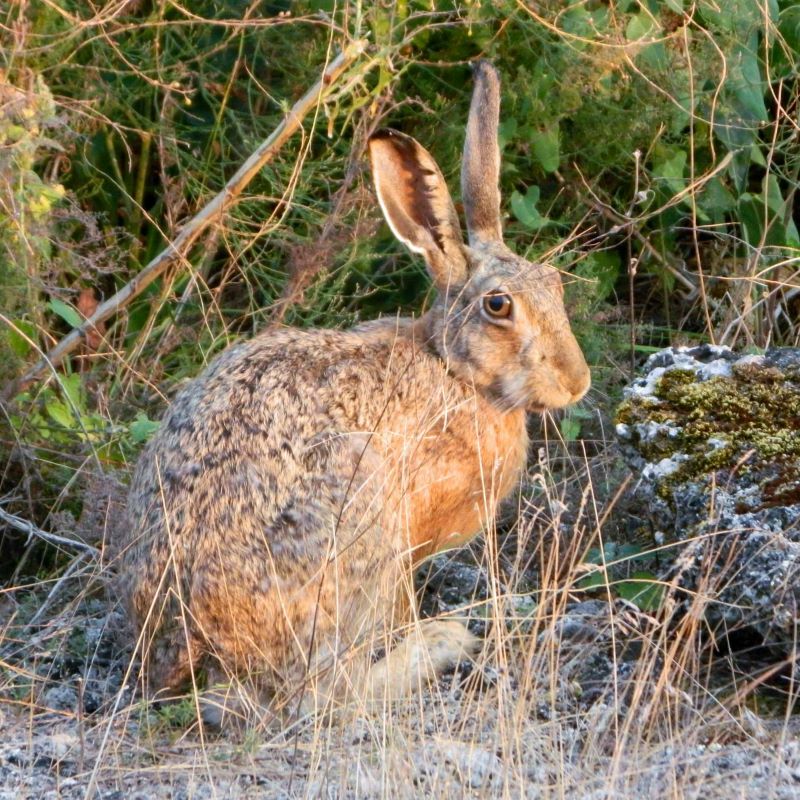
<point>480,169</point>
<point>417,204</point>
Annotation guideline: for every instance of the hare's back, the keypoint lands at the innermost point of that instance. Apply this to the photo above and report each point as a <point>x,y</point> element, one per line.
<point>259,451</point>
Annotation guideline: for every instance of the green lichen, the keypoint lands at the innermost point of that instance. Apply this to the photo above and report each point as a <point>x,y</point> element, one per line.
<point>748,423</point>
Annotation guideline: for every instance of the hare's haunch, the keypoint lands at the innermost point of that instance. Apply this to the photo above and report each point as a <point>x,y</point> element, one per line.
<point>275,518</point>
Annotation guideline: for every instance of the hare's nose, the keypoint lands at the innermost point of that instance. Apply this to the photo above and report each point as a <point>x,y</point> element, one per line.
<point>580,383</point>
<point>574,375</point>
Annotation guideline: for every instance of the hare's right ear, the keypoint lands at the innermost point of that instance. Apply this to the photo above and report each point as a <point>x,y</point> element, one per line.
<point>480,169</point>
<point>417,204</point>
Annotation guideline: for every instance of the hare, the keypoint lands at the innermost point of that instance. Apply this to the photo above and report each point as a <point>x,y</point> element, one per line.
<point>274,520</point>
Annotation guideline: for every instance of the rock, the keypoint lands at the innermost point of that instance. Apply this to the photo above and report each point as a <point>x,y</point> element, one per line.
<point>61,698</point>
<point>449,764</point>
<point>453,582</point>
<point>715,440</point>
<point>597,646</point>
<point>475,766</point>
<point>57,745</point>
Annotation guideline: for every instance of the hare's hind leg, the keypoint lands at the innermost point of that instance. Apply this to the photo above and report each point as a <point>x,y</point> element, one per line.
<point>235,702</point>
<point>168,648</point>
<point>431,647</point>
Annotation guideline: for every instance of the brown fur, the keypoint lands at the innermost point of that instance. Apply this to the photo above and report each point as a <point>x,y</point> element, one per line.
<point>274,519</point>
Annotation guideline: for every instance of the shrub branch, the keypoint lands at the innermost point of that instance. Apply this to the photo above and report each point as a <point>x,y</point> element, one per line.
<point>32,531</point>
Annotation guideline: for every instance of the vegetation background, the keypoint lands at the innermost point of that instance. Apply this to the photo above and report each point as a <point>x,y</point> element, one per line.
<point>650,150</point>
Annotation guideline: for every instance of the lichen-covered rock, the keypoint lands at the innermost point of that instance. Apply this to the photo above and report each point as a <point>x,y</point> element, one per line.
<point>715,440</point>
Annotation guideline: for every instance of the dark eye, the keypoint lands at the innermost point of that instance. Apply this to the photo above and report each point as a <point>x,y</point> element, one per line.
<point>497,305</point>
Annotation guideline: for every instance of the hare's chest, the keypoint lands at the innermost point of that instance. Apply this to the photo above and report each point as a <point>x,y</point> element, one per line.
<point>452,478</point>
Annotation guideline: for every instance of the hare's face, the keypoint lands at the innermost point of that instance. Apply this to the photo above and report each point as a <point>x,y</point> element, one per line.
<point>506,332</point>
<point>499,321</point>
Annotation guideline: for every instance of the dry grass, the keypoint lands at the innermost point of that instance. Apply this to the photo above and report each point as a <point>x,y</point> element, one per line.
<point>596,699</point>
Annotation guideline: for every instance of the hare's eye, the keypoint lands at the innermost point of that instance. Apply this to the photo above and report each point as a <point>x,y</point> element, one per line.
<point>497,305</point>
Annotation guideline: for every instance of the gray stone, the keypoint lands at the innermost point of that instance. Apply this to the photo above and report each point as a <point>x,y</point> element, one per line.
<point>715,440</point>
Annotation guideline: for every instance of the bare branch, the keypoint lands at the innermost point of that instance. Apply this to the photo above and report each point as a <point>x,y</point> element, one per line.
<point>52,538</point>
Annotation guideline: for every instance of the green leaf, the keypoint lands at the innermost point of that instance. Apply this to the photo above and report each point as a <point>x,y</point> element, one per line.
<point>599,16</point>
<point>72,387</point>
<point>715,200</point>
<point>20,335</point>
<point>757,157</point>
<point>596,580</point>
<point>643,589</point>
<point>729,128</point>
<point>751,220</point>
<point>670,170</point>
<point>524,208</point>
<point>789,27</point>
<point>646,26</point>
<point>546,147</point>
<point>142,428</point>
<point>61,413</point>
<point>577,20</point>
<point>640,26</point>
<point>64,310</point>
<point>782,229</point>
<point>734,16</point>
<point>612,552</point>
<point>570,428</point>
<point>772,190</point>
<point>745,82</point>
<point>506,131</point>
<point>602,267</point>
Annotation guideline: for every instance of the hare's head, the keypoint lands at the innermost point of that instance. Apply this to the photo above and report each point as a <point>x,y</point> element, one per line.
<point>499,320</point>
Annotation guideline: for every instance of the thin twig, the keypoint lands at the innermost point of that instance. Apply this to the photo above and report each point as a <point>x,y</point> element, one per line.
<point>59,585</point>
<point>210,213</point>
<point>53,538</point>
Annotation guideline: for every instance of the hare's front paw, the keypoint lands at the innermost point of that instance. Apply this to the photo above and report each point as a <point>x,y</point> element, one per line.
<point>444,643</point>
<point>430,649</point>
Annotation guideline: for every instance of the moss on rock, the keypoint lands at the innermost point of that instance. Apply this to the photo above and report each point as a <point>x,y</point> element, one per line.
<point>743,421</point>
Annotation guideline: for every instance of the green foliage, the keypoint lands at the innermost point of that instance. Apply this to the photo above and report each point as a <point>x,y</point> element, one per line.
<point>27,200</point>
<point>570,423</point>
<point>142,428</point>
<point>616,575</point>
<point>177,102</point>
<point>651,129</point>
<point>59,415</point>
<point>524,208</point>
<point>177,715</point>
<point>65,311</point>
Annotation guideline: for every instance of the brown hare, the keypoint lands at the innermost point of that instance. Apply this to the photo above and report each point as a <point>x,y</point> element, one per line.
<point>275,518</point>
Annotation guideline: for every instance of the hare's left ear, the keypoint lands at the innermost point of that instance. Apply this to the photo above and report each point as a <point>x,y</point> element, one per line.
<point>417,204</point>
<point>480,169</point>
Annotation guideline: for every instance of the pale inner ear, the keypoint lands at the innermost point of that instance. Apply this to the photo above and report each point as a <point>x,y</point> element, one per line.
<point>417,204</point>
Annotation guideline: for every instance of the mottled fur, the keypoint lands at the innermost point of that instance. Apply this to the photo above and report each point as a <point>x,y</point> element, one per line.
<point>274,519</point>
